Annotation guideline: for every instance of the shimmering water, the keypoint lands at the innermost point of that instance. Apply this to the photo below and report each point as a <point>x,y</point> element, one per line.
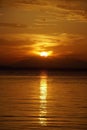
<point>43,101</point>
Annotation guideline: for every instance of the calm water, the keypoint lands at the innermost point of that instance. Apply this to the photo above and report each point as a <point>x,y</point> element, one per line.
<point>43,101</point>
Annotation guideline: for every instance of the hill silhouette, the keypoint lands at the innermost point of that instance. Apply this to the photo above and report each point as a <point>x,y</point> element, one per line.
<point>49,63</point>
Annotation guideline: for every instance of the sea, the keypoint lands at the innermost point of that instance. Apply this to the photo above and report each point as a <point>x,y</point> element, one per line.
<point>43,100</point>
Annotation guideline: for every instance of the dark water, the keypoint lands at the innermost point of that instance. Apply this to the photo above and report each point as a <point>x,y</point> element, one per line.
<point>43,101</point>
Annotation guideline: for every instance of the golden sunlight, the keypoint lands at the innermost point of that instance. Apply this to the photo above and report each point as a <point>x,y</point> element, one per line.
<point>43,100</point>
<point>45,53</point>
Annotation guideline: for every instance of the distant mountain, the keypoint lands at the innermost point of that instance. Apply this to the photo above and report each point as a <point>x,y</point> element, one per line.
<point>50,63</point>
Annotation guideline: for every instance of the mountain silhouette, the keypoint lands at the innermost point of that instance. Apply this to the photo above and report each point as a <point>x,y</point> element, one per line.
<point>50,63</point>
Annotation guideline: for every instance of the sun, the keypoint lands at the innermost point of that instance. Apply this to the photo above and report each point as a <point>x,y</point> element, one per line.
<point>44,54</point>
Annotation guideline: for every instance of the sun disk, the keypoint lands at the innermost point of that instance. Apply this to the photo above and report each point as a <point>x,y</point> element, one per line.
<point>44,54</point>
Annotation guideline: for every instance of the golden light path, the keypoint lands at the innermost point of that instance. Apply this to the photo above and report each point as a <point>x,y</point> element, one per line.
<point>43,100</point>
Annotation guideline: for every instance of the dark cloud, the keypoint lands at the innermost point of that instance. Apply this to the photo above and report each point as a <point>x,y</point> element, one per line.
<point>71,4</point>
<point>70,9</point>
<point>68,4</point>
<point>12,49</point>
<point>13,25</point>
<point>15,44</point>
<point>33,2</point>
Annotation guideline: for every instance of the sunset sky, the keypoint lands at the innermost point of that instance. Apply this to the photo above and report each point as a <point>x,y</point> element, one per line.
<point>29,27</point>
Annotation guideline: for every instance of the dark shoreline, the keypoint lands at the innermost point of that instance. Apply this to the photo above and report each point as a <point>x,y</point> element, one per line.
<point>42,68</point>
<point>38,71</point>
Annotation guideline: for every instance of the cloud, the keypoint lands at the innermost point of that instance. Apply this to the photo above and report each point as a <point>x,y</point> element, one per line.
<point>12,25</point>
<point>62,44</point>
<point>66,9</point>
<point>67,44</point>
<point>69,9</point>
<point>1,13</point>
<point>13,48</point>
<point>31,44</point>
<point>17,44</point>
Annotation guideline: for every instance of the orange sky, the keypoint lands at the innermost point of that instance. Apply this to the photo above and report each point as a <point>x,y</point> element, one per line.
<point>28,27</point>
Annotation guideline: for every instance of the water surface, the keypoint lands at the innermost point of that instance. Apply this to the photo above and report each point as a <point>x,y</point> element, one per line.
<point>43,101</point>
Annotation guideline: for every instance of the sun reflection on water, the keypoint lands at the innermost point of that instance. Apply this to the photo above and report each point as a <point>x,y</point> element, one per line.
<point>43,100</point>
